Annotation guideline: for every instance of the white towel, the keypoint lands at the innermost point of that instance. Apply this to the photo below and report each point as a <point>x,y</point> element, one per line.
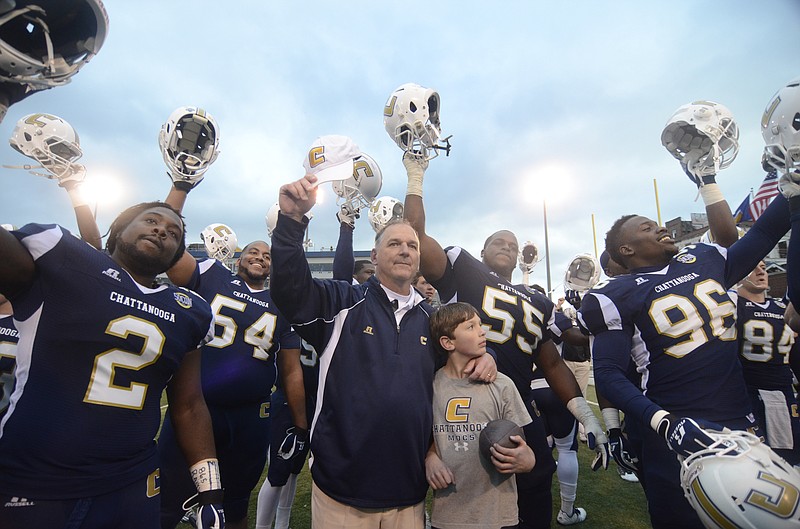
<point>779,424</point>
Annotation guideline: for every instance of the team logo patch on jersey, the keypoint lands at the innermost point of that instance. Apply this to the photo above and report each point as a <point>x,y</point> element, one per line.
<point>183,300</point>
<point>686,258</point>
<point>236,282</point>
<point>423,340</point>
<point>112,273</point>
<point>368,330</point>
<point>641,280</point>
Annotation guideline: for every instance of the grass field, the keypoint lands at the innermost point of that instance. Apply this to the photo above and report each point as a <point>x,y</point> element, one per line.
<point>610,502</point>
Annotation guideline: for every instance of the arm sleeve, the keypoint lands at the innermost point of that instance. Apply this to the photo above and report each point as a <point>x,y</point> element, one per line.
<point>611,355</point>
<point>343,260</point>
<point>793,262</point>
<point>745,254</point>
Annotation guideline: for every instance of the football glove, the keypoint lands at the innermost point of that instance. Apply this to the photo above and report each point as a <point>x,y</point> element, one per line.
<point>595,436</point>
<point>294,444</point>
<point>185,183</point>
<point>210,514</point>
<point>789,184</point>
<point>685,435</point>
<point>573,297</point>
<point>345,215</point>
<point>72,176</point>
<point>625,459</point>
<point>695,151</point>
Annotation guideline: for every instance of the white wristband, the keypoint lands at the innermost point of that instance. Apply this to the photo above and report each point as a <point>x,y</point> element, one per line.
<point>611,418</point>
<point>205,474</point>
<point>711,194</point>
<point>655,420</point>
<point>76,197</point>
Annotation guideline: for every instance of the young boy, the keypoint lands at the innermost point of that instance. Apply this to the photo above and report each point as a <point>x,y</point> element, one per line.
<point>470,491</point>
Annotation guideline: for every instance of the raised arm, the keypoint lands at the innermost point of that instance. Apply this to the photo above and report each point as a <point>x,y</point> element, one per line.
<point>433,260</point>
<point>343,260</point>
<point>182,271</point>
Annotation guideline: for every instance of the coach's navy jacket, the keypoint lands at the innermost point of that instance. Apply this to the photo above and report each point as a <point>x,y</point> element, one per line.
<point>374,419</point>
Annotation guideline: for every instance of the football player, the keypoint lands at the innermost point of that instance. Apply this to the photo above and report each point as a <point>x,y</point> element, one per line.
<point>764,344</point>
<point>98,373</point>
<point>238,368</point>
<point>677,304</point>
<point>520,322</point>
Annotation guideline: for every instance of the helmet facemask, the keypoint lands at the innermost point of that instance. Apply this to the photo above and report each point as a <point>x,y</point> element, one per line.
<point>189,143</point>
<point>359,190</point>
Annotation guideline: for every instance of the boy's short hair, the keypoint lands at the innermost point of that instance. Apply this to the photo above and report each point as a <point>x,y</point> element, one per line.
<point>445,320</point>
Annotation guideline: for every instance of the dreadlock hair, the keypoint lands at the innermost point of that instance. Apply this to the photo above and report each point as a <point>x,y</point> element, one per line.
<point>126,217</point>
<point>613,239</point>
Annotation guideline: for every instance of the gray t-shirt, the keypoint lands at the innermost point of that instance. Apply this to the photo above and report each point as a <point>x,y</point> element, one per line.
<point>481,497</point>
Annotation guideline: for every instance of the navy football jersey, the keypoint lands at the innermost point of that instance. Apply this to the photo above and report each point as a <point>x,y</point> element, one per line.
<point>679,323</point>
<point>8,359</point>
<point>238,365</point>
<point>95,352</point>
<point>764,343</point>
<point>516,320</point>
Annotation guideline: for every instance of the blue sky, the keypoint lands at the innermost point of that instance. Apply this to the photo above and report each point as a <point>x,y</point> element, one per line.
<point>561,100</point>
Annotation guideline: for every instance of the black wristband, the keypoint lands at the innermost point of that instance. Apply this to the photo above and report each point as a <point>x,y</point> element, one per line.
<point>211,496</point>
<point>709,179</point>
<point>183,186</point>
<point>794,205</point>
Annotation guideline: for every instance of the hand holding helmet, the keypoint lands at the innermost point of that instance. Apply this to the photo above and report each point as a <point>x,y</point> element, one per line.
<point>189,142</point>
<point>704,138</point>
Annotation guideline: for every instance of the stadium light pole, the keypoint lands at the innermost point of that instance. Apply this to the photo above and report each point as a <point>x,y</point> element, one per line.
<point>546,247</point>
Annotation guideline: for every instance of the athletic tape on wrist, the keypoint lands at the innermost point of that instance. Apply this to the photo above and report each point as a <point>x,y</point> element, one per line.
<point>76,197</point>
<point>205,474</point>
<point>711,194</point>
<point>611,418</point>
<point>414,185</point>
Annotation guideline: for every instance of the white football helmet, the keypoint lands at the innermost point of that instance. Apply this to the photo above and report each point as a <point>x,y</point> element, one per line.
<point>189,142</point>
<point>46,42</point>
<point>359,190</point>
<point>411,118</point>
<point>780,127</point>
<point>708,237</point>
<point>528,256</point>
<point>8,227</point>
<point>582,273</point>
<point>220,241</point>
<point>710,120</point>
<point>740,482</point>
<point>272,218</point>
<point>49,140</point>
<point>383,210</point>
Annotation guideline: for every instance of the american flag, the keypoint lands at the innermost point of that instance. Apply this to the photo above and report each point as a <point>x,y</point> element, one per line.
<point>764,195</point>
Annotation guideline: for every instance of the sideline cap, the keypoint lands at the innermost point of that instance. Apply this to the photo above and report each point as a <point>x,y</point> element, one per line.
<point>331,158</point>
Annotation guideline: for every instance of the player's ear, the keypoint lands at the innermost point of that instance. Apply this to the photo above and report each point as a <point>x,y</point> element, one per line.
<point>373,257</point>
<point>626,250</point>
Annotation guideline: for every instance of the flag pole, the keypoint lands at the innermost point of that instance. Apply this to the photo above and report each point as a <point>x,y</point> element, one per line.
<point>594,236</point>
<point>658,208</point>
